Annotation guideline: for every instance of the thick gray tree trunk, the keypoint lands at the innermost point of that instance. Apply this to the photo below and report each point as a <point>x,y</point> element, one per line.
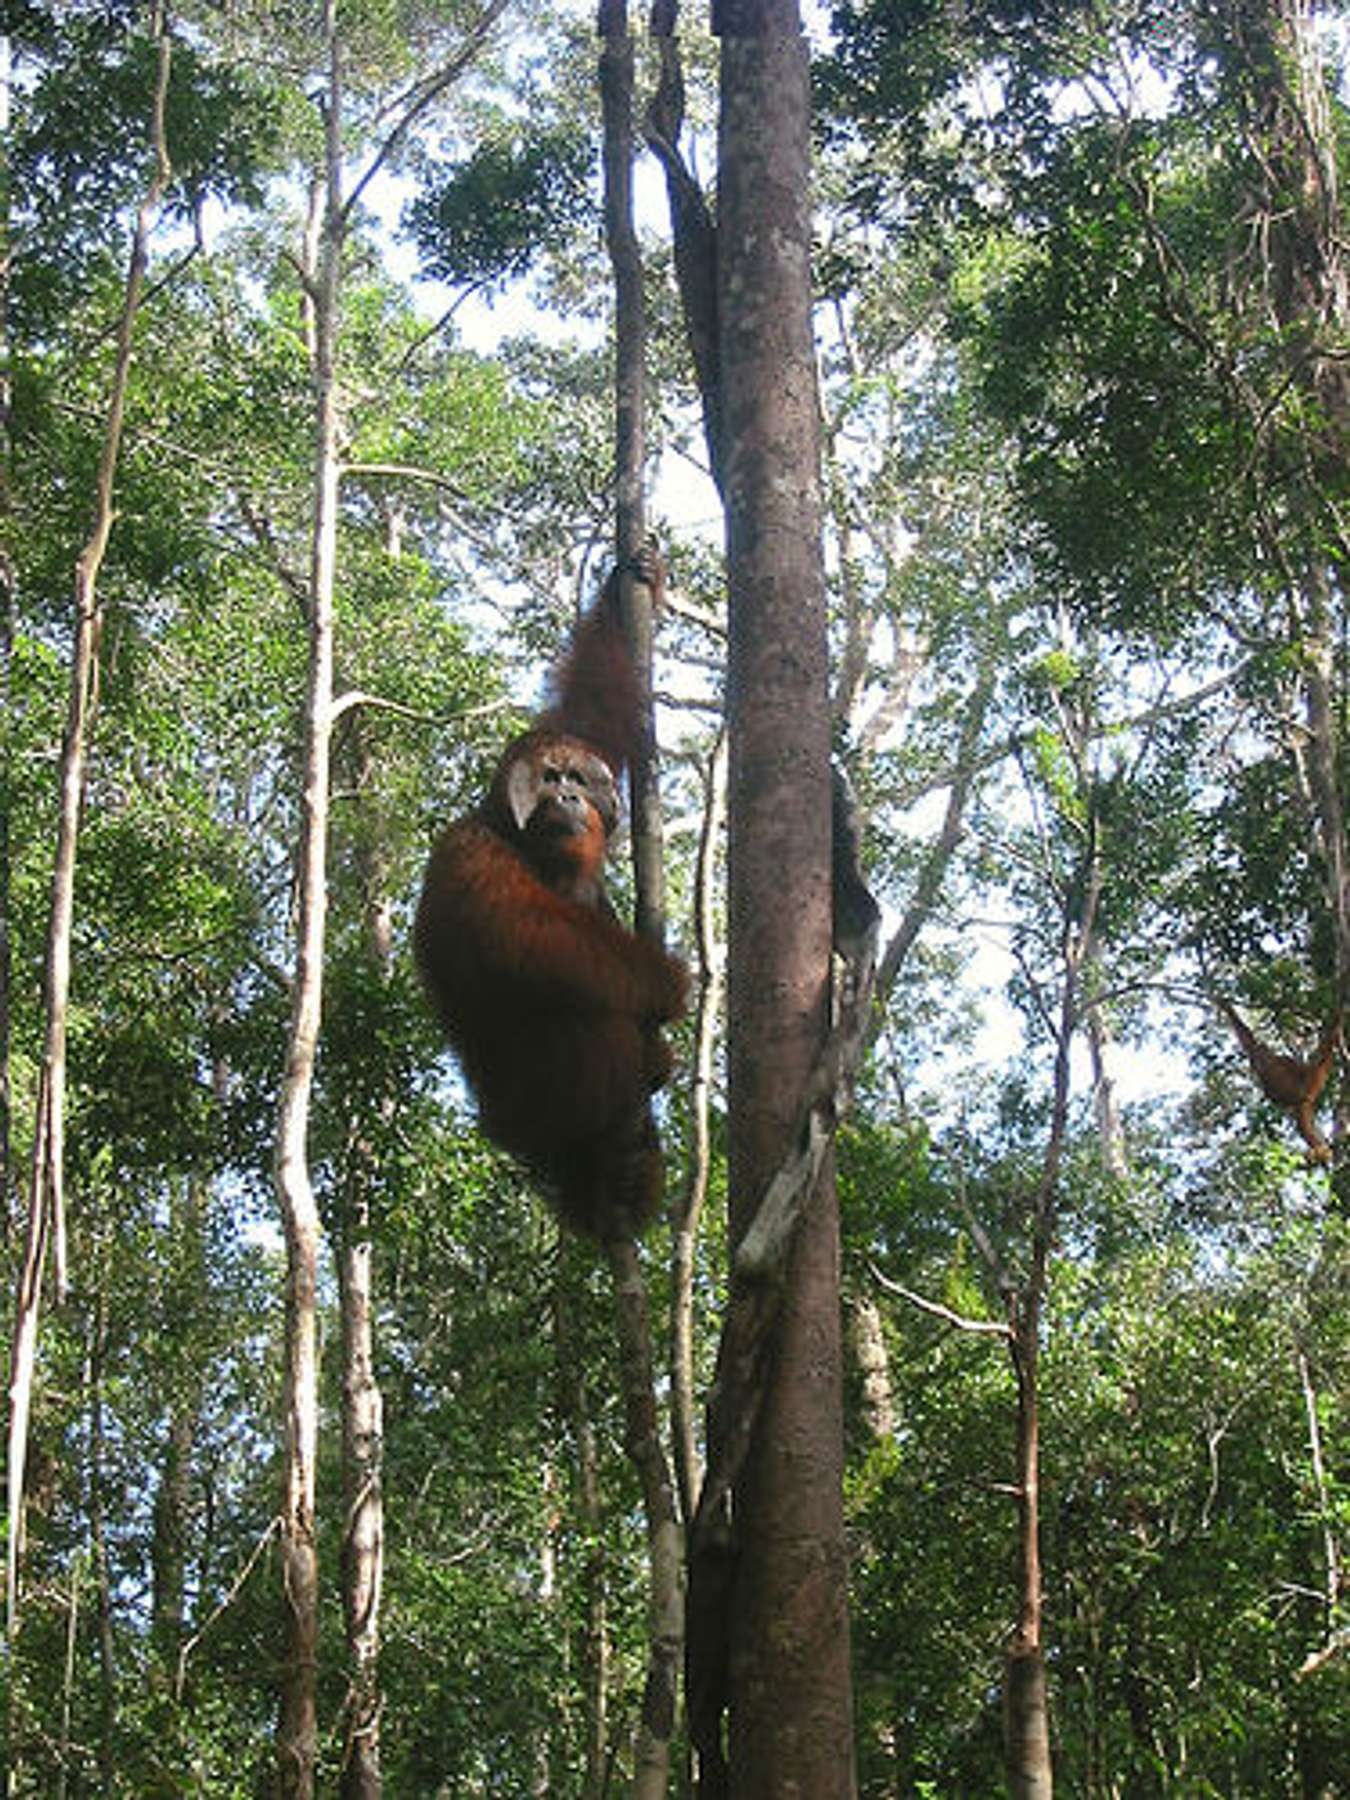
<point>791,1728</point>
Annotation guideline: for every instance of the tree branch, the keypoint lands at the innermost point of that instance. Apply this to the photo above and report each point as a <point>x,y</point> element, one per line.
<point>990,1327</point>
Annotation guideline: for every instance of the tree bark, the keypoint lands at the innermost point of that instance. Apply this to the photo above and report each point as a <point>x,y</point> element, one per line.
<point>362,1401</point>
<point>1026,1705</point>
<point>789,1678</point>
<point>1105,1103</point>
<point>1026,1700</point>
<point>574,1405</point>
<point>665,1603</point>
<point>297,1727</point>
<point>665,1606</point>
<point>873,1363</point>
<point>98,1542</point>
<point>1282,94</point>
<point>690,1209</point>
<point>363,1510</point>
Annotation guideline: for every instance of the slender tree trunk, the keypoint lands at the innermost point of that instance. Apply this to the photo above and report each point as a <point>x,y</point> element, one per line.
<point>574,1404</point>
<point>1319,1749</point>
<point>1026,1707</point>
<point>710,976</point>
<point>665,1543</point>
<point>595,1629</point>
<point>1333,1572</point>
<point>1275,54</point>
<point>791,1729</point>
<point>297,1728</point>
<point>46,1199</point>
<point>1105,1104</point>
<point>98,1543</point>
<point>362,1402</point>
<point>1274,50</point>
<point>1026,1700</point>
<point>541,1781</point>
<point>168,1546</point>
<point>665,1607</point>
<point>630,442</point>
<point>363,1534</point>
<point>68,1678</point>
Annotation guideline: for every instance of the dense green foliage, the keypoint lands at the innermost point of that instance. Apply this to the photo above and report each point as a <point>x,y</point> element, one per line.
<point>1087,543</point>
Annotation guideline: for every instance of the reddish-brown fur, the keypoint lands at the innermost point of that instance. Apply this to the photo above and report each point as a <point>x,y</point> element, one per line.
<point>1292,1082</point>
<point>553,1008</point>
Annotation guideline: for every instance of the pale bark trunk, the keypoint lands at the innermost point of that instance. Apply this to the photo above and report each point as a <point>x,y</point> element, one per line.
<point>1333,1572</point>
<point>1105,1104</point>
<point>874,1367</point>
<point>541,1783</point>
<point>363,1535</point>
<point>789,1680</point>
<point>690,1212</point>
<point>297,1727</point>
<point>362,1401</point>
<point>46,1199</point>
<point>68,1679</point>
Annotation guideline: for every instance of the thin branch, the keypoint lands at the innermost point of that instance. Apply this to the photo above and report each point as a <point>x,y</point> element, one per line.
<point>359,697</point>
<point>232,1593</point>
<point>420,99</point>
<point>406,472</point>
<point>990,1327</point>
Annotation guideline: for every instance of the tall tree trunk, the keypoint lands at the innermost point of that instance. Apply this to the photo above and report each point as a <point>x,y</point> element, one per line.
<point>791,1728</point>
<point>1026,1700</point>
<point>665,1607</point>
<point>1281,87</point>
<point>362,1402</point>
<point>1274,52</point>
<point>630,440</point>
<point>1105,1102</point>
<point>297,1727</point>
<point>541,1780</point>
<point>46,1199</point>
<point>168,1544</point>
<point>98,1541</point>
<point>1026,1706</point>
<point>1333,1570</point>
<point>574,1405</point>
<point>665,1545</point>
<point>695,1188</point>
<point>68,1678</point>
<point>363,1511</point>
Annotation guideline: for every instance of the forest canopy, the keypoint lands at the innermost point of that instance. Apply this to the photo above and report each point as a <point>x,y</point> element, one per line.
<point>308,326</point>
